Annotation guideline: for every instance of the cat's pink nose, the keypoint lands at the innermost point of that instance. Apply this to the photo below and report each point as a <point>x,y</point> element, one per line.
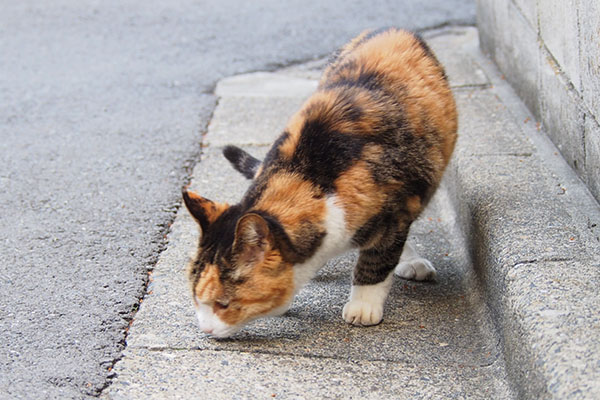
<point>209,331</point>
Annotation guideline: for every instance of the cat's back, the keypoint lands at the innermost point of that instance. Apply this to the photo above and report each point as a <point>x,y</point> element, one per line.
<point>378,133</point>
<point>394,72</point>
<point>384,91</point>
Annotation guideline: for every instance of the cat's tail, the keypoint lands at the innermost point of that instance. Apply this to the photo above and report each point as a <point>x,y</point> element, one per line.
<point>241,161</point>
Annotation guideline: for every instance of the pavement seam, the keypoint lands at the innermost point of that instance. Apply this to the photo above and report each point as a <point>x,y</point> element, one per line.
<point>470,87</point>
<point>202,145</point>
<point>444,28</point>
<point>497,356</point>
<point>480,155</point>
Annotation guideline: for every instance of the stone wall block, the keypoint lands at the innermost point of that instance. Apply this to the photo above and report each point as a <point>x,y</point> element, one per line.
<point>561,114</point>
<point>559,30</point>
<point>589,25</point>
<point>529,9</point>
<point>592,156</point>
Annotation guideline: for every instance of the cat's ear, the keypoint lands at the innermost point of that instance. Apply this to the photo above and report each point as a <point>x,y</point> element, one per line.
<point>203,210</point>
<point>252,238</point>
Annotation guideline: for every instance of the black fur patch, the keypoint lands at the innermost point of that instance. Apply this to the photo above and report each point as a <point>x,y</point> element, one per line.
<point>322,155</point>
<point>254,192</point>
<point>217,240</point>
<point>271,163</point>
<point>273,153</point>
<point>345,76</point>
<point>375,264</point>
<point>302,249</point>
<point>384,223</point>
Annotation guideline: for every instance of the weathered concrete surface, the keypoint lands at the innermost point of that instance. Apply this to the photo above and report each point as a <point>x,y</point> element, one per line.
<point>514,311</point>
<point>589,24</point>
<point>102,109</point>
<point>437,340</point>
<point>549,50</point>
<point>533,229</point>
<point>240,375</point>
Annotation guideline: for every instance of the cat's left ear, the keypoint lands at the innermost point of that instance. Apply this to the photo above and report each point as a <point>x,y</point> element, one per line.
<point>203,210</point>
<point>252,238</point>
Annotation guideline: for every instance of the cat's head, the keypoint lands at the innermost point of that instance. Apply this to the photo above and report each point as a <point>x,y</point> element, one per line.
<point>238,273</point>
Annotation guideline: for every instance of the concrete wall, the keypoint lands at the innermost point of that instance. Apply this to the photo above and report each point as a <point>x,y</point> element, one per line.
<point>549,50</point>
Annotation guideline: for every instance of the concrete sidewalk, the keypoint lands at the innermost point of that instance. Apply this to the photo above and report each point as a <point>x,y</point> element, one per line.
<point>514,310</point>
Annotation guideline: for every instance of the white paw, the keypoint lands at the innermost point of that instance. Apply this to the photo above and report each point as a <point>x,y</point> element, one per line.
<point>360,312</point>
<point>418,269</point>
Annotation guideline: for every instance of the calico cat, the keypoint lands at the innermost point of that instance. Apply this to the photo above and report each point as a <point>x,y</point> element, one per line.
<point>354,167</point>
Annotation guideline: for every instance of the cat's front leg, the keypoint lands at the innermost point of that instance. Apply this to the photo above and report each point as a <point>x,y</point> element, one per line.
<point>371,283</point>
<point>365,306</point>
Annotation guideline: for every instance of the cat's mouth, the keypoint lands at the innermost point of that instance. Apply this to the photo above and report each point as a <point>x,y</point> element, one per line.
<point>212,325</point>
<point>223,333</point>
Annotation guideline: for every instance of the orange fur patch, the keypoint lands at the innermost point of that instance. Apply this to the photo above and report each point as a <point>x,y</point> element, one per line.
<point>332,105</point>
<point>360,196</point>
<point>294,126</point>
<point>209,287</point>
<point>414,205</point>
<point>259,171</point>
<point>268,286</point>
<point>426,101</point>
<point>292,200</point>
<point>408,71</point>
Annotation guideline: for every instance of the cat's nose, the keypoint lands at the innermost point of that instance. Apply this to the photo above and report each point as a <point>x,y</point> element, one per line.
<point>207,330</point>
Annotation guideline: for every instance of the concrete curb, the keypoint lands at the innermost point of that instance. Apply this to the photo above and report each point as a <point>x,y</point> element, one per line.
<point>533,231</point>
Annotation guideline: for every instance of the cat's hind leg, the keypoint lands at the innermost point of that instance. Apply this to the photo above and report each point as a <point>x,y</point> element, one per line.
<point>412,266</point>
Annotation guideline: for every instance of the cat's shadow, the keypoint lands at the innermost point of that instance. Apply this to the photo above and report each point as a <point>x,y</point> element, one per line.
<point>291,326</point>
<point>318,309</point>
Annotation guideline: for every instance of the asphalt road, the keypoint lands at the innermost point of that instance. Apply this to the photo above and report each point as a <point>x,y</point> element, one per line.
<point>102,109</point>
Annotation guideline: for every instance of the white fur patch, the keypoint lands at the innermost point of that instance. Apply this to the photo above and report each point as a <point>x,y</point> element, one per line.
<point>210,323</point>
<point>412,266</point>
<point>336,241</point>
<point>365,306</point>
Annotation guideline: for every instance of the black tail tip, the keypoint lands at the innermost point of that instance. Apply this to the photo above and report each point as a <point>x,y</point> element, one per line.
<point>232,153</point>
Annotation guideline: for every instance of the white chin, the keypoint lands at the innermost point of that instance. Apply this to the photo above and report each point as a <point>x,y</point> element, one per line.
<point>225,333</point>
<point>211,324</point>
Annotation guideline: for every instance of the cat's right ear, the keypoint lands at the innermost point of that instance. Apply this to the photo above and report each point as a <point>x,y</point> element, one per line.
<point>203,210</point>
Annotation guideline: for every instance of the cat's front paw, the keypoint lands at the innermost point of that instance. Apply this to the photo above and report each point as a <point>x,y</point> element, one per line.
<point>360,312</point>
<point>418,269</point>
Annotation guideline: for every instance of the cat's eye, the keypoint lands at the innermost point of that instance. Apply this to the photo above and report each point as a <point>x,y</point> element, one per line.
<point>222,304</point>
